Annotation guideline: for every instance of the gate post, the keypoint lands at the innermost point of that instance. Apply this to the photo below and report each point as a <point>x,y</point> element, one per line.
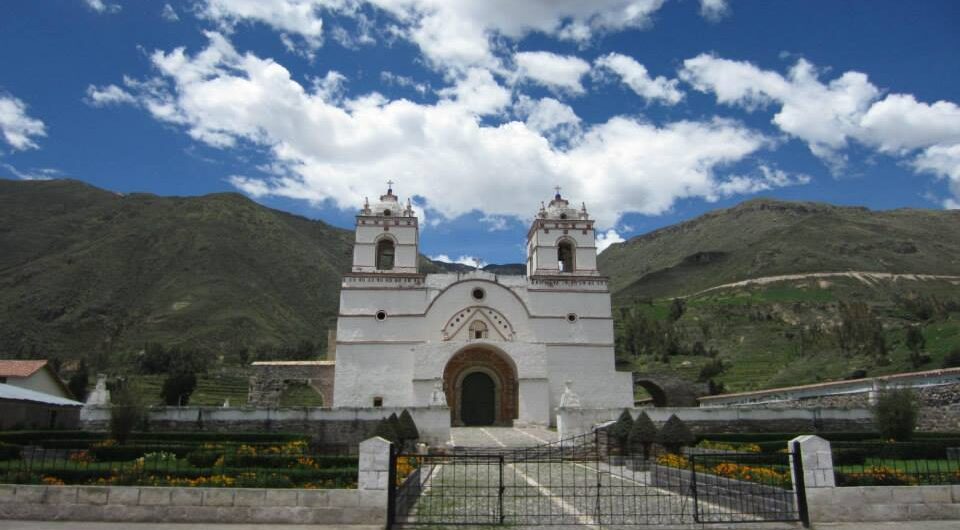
<point>812,467</point>
<point>500,491</point>
<point>375,477</point>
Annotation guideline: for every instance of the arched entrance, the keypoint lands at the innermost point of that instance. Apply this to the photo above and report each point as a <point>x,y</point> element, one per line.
<point>479,400</point>
<point>481,387</point>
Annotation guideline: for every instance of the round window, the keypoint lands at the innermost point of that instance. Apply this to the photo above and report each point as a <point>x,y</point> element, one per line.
<point>563,216</point>
<point>381,315</point>
<point>478,294</point>
<point>386,213</point>
<point>572,317</point>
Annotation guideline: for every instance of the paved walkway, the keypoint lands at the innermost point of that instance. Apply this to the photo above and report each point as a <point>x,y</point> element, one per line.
<point>72,525</point>
<point>519,436</point>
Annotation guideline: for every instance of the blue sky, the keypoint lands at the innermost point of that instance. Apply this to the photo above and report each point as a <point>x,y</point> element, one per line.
<point>650,111</point>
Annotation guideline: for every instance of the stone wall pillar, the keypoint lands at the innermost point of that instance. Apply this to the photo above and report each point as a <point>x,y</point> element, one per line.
<point>374,471</point>
<point>817,461</point>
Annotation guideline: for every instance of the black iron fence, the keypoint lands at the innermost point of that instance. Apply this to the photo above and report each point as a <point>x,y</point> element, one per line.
<point>293,464</point>
<point>895,464</point>
<point>590,480</point>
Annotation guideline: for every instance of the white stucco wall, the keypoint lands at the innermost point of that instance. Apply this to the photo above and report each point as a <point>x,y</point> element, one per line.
<point>40,381</point>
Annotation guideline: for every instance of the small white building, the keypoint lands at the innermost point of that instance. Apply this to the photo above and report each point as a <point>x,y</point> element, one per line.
<point>501,347</point>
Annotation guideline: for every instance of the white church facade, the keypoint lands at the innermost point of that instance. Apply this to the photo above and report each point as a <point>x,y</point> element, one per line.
<point>500,347</point>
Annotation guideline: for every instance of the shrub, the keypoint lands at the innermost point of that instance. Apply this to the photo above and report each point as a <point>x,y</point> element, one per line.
<point>386,430</point>
<point>126,413</point>
<point>711,370</point>
<point>620,430</point>
<point>9,451</point>
<point>952,360</point>
<point>407,431</point>
<point>896,413</point>
<point>642,434</point>
<point>177,388</point>
<point>675,434</point>
<point>876,476</point>
<point>849,457</point>
<point>78,382</point>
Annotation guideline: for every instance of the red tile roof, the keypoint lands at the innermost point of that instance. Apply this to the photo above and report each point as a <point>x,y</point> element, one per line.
<point>20,368</point>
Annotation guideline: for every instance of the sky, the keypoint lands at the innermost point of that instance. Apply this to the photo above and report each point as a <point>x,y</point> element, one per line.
<point>650,112</point>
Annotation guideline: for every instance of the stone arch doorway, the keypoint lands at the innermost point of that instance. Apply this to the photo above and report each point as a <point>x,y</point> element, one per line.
<point>481,387</point>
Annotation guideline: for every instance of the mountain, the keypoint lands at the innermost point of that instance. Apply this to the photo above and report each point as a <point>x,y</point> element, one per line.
<point>87,272</point>
<point>764,237</point>
<point>769,292</point>
<point>772,293</point>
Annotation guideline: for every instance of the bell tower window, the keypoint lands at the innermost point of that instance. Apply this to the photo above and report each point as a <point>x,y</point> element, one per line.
<point>565,256</point>
<point>385,254</point>
<point>478,330</point>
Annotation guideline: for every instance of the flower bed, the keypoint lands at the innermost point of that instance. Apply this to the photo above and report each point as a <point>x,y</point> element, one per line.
<point>288,465</point>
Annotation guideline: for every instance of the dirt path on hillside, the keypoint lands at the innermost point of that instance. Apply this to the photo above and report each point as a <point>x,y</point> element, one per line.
<point>866,277</point>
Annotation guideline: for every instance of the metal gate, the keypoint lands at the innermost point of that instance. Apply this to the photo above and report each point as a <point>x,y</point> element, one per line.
<point>590,480</point>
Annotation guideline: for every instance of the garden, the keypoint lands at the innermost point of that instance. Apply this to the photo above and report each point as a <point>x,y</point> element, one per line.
<point>238,460</point>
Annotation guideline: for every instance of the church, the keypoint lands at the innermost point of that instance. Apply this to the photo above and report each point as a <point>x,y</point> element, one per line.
<point>497,349</point>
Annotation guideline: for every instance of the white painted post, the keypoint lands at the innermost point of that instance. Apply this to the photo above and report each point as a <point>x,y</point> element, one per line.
<point>817,461</point>
<point>374,466</point>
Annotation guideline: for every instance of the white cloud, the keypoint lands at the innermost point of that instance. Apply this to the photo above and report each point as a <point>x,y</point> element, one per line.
<point>495,223</point>
<point>324,149</point>
<point>828,116</point>
<point>635,76</point>
<point>451,34</point>
<point>943,161</point>
<point>558,72</point>
<point>44,173</point>
<point>108,95</point>
<point>102,7</point>
<point>18,129</point>
<point>549,117</point>
<point>469,261</point>
<point>405,81</point>
<point>765,179</point>
<point>605,239</point>
<point>169,13</point>
<point>289,17</point>
<point>479,92</point>
<point>714,10</point>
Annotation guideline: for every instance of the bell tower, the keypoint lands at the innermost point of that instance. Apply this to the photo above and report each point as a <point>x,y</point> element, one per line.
<point>561,241</point>
<point>387,237</point>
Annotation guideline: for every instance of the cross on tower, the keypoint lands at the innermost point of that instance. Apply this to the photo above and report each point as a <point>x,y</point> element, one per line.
<point>389,185</point>
<point>558,190</point>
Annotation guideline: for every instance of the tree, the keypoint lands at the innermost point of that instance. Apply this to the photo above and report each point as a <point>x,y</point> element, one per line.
<point>177,388</point>
<point>386,430</point>
<point>407,431</point>
<point>620,430</point>
<point>677,308</point>
<point>643,434</point>
<point>711,370</point>
<point>78,382</point>
<point>916,344</point>
<point>952,360</point>
<point>895,414</point>
<point>860,331</point>
<point>675,434</point>
<point>126,413</point>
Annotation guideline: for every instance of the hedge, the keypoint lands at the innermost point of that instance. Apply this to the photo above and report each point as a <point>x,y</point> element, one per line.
<point>9,451</point>
<point>51,438</point>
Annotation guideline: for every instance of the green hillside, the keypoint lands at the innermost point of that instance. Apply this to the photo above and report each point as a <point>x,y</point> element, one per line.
<point>767,238</point>
<point>90,273</point>
<point>784,331</point>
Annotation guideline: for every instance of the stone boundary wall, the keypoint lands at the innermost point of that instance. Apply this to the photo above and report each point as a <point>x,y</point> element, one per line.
<point>365,505</point>
<point>828,503</point>
<point>575,421</point>
<point>340,426</point>
<point>884,503</point>
<point>191,505</point>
